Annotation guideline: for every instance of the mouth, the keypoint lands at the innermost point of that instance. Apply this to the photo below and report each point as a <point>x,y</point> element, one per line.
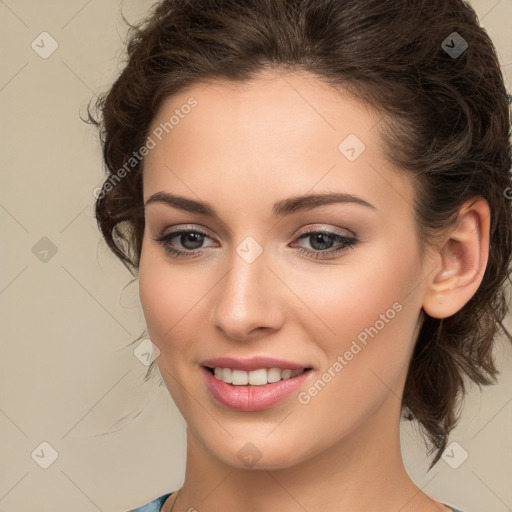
<point>253,384</point>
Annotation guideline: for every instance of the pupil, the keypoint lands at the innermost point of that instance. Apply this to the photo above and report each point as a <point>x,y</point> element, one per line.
<point>196,240</point>
<point>319,237</point>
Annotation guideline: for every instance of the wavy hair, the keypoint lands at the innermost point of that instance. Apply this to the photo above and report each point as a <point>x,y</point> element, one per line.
<point>445,121</point>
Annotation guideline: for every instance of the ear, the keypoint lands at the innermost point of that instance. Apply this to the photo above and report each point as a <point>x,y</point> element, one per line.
<point>459,261</point>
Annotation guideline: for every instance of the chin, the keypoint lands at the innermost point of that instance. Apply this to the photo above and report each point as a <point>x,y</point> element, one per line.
<point>257,454</point>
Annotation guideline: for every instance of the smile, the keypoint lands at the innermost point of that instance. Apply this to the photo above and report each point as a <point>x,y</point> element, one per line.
<point>253,390</point>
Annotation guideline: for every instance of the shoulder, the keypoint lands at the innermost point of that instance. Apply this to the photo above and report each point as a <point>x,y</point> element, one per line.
<point>152,506</point>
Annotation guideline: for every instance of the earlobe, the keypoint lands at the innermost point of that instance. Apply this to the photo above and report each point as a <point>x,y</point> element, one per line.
<point>461,260</point>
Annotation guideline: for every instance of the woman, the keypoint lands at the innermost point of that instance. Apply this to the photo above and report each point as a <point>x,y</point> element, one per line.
<point>315,197</point>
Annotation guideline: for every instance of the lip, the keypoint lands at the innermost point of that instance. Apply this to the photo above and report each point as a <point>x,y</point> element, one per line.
<point>253,363</point>
<point>253,398</point>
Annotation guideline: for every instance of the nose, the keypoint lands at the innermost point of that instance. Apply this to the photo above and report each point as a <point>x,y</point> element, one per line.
<point>248,300</point>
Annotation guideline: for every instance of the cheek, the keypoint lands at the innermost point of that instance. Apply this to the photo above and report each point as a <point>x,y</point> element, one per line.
<point>167,292</point>
<point>158,300</point>
<point>371,308</point>
<point>166,295</point>
<point>365,291</point>
<point>366,362</point>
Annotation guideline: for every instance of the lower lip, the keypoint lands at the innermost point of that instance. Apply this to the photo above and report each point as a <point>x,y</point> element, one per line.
<point>253,398</point>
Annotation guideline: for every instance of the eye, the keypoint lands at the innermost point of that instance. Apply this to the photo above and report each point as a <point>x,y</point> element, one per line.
<point>324,243</point>
<point>190,240</point>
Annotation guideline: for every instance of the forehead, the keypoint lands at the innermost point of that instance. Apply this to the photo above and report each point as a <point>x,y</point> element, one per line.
<point>277,135</point>
<point>273,106</point>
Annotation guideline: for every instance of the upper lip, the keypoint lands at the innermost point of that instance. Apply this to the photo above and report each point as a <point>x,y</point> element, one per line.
<point>253,363</point>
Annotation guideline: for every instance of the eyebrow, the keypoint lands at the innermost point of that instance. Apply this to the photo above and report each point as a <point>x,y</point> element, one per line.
<point>279,209</point>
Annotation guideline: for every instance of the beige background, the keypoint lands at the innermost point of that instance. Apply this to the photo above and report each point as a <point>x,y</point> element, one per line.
<point>67,374</point>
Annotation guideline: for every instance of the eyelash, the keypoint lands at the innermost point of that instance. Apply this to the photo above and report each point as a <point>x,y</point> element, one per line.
<point>348,243</point>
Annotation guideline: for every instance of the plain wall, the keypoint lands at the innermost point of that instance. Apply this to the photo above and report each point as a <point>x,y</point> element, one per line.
<point>67,372</point>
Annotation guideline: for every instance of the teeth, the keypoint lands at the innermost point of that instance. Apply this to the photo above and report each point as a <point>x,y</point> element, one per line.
<point>240,378</point>
<point>258,377</point>
<point>286,374</point>
<point>273,375</point>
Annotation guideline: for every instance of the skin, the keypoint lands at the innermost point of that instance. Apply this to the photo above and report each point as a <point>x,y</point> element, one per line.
<point>243,148</point>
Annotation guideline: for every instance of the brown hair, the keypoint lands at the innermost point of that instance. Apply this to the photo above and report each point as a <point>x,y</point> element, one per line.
<point>446,120</point>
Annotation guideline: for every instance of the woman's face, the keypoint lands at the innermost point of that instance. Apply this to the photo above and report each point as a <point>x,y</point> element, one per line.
<point>330,286</point>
